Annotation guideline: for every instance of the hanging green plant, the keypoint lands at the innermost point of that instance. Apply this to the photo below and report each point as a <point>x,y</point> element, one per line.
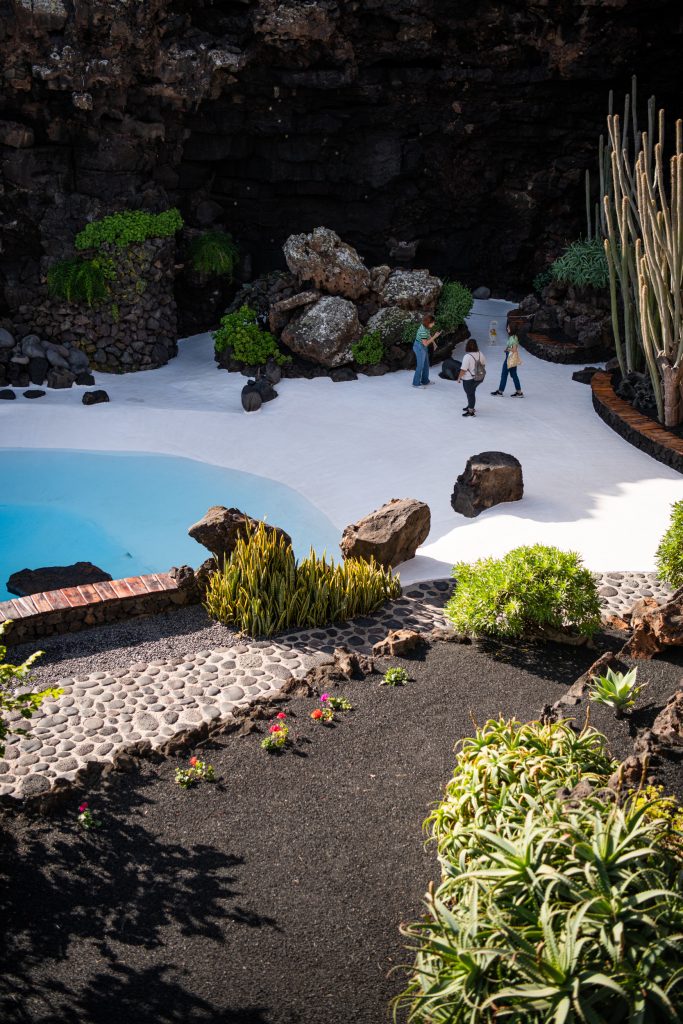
<point>81,280</point>
<point>214,252</point>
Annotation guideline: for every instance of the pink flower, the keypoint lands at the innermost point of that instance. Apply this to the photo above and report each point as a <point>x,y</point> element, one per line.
<point>82,808</point>
<point>275,728</point>
<point>325,696</point>
<point>281,714</point>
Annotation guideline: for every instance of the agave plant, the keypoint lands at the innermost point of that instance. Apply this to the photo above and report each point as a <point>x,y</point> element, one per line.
<point>618,690</point>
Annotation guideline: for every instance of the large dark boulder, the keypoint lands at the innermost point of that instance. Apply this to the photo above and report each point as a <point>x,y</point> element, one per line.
<point>489,479</point>
<point>391,534</point>
<point>221,528</point>
<point>55,577</point>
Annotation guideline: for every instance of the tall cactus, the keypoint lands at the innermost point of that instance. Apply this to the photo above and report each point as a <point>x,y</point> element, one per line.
<point>643,225</point>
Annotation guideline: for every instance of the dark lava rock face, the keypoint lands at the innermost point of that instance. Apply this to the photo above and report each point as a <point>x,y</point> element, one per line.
<point>453,136</point>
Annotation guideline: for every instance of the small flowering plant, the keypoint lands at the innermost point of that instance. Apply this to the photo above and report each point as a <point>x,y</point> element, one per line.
<point>198,771</point>
<point>278,734</point>
<point>336,703</point>
<point>395,677</point>
<point>86,819</point>
<point>324,715</point>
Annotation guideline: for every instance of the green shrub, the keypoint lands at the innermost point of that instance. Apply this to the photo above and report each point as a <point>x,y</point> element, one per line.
<point>409,331</point>
<point>369,350</point>
<point>263,590</point>
<point>214,252</point>
<point>395,676</point>
<point>14,703</point>
<point>80,280</point>
<point>548,912</point>
<point>129,227</point>
<point>541,280</point>
<point>669,555</point>
<point>240,333</point>
<point>534,592</point>
<point>454,306</point>
<point>583,264</point>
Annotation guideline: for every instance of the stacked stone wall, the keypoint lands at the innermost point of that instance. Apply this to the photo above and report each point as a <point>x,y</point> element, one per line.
<point>134,328</point>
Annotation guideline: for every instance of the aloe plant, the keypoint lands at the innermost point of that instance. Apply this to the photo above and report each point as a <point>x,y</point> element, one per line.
<point>547,913</point>
<point>617,690</point>
<point>262,589</point>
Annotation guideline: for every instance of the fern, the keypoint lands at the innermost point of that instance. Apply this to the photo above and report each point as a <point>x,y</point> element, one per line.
<point>214,253</point>
<point>79,280</point>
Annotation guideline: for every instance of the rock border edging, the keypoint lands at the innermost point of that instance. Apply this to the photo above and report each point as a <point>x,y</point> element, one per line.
<point>639,430</point>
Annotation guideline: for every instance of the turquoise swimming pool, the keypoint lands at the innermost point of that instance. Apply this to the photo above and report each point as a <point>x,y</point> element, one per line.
<point>129,512</point>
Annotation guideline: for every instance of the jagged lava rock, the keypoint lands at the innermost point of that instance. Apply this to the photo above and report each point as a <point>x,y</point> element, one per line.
<point>391,534</point>
<point>220,529</point>
<point>489,479</point>
<point>411,289</point>
<point>332,265</point>
<point>55,577</point>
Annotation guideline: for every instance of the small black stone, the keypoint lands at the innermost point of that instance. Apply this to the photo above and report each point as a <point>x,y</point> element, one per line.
<point>34,394</point>
<point>95,397</point>
<point>85,378</point>
<point>7,395</point>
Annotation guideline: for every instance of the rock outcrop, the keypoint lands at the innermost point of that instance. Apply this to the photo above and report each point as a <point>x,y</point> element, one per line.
<point>220,529</point>
<point>489,479</point>
<point>391,534</point>
<point>452,134</point>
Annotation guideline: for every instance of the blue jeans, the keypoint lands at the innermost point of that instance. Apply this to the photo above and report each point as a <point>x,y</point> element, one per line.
<point>421,375</point>
<point>504,376</point>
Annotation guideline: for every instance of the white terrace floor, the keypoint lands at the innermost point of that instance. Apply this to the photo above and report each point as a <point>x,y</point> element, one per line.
<point>350,447</point>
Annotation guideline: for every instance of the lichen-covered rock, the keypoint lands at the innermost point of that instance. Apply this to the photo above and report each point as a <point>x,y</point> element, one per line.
<point>220,529</point>
<point>489,479</point>
<point>332,265</point>
<point>411,289</point>
<point>324,331</point>
<point>391,322</point>
<point>281,311</point>
<point>391,534</point>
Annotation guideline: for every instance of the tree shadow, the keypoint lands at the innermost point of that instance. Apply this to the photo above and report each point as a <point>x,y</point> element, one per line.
<point>118,886</point>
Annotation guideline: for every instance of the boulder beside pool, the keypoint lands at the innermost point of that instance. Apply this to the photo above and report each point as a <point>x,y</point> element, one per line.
<point>220,529</point>
<point>490,478</point>
<point>391,534</point>
<point>55,577</point>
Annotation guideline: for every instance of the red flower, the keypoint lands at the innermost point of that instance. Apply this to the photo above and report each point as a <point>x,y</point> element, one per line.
<point>83,807</point>
<point>281,714</point>
<point>275,728</point>
<point>194,761</point>
<point>317,714</point>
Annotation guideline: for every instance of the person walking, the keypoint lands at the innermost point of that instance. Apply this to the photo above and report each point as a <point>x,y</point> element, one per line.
<point>423,339</point>
<point>510,364</point>
<point>472,373</point>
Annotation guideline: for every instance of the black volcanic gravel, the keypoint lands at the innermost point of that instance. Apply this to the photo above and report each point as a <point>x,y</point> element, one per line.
<point>275,895</point>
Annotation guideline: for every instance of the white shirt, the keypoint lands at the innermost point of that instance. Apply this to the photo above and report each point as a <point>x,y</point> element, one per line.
<point>469,363</point>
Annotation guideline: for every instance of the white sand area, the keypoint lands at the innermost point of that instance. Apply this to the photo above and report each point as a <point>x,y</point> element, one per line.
<point>350,447</point>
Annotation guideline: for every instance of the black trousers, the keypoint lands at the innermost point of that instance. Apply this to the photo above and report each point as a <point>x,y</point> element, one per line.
<point>470,387</point>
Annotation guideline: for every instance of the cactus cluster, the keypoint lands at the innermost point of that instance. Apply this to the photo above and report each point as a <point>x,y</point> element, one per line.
<point>642,221</point>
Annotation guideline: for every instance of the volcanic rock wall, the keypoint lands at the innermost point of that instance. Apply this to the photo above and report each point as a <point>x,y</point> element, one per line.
<point>464,128</point>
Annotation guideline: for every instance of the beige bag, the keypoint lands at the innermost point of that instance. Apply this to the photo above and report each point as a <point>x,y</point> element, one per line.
<point>513,358</point>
